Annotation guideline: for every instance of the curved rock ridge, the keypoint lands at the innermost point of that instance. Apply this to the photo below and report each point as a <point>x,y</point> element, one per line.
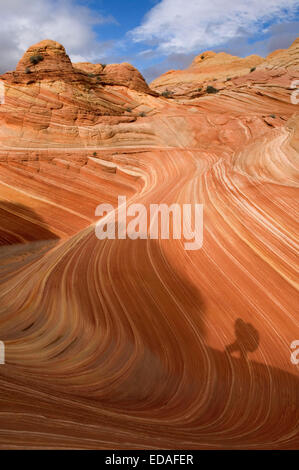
<point>209,58</point>
<point>133,344</point>
<point>285,58</point>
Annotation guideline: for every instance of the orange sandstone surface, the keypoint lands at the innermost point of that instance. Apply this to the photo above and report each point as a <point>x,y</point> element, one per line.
<point>139,343</point>
<point>224,71</point>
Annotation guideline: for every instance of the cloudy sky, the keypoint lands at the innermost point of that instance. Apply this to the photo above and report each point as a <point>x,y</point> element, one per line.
<point>154,35</point>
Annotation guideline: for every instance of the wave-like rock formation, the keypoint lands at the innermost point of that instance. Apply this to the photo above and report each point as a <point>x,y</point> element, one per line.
<point>139,343</point>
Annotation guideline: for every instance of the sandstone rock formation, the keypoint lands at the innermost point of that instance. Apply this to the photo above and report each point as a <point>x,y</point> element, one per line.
<point>126,343</point>
<point>221,71</point>
<point>46,56</point>
<point>206,68</point>
<point>118,74</point>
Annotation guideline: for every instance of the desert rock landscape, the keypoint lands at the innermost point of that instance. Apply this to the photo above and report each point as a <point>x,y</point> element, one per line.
<point>140,344</point>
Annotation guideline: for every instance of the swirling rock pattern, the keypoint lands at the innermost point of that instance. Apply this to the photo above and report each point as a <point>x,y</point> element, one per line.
<point>139,343</point>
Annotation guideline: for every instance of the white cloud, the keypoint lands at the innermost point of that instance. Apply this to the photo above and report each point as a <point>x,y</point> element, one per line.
<point>182,26</point>
<point>24,23</point>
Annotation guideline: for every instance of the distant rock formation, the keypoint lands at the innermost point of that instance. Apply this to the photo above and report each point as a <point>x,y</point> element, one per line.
<point>217,70</point>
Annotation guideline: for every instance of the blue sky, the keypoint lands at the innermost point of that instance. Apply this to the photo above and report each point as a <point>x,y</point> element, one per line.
<point>153,35</point>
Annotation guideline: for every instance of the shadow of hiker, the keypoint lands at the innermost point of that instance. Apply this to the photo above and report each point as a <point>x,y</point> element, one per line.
<point>247,339</point>
<point>135,345</point>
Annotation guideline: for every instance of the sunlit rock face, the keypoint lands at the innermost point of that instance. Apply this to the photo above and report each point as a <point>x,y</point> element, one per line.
<point>224,71</point>
<point>118,74</point>
<point>46,56</point>
<point>206,68</point>
<point>126,343</point>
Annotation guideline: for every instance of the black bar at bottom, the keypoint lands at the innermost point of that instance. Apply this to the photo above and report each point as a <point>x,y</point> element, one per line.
<point>140,459</point>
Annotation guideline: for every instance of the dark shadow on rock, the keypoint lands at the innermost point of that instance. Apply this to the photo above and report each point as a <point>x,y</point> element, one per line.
<point>247,339</point>
<point>139,353</point>
<point>248,404</point>
<point>24,237</point>
<point>133,300</point>
<point>20,224</point>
